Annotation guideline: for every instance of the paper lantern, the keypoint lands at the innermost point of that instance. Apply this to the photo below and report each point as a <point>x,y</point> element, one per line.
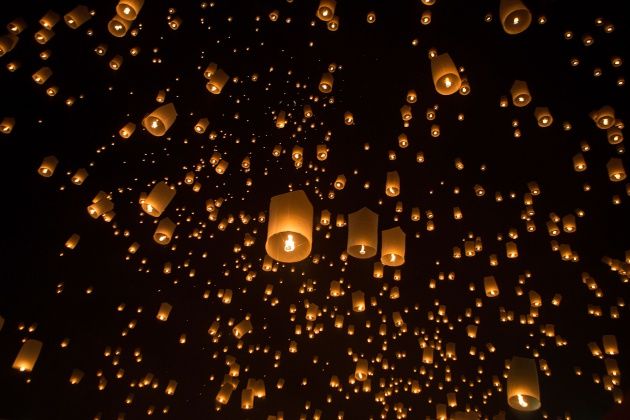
<point>579,163</point>
<point>47,167</point>
<point>42,75</point>
<point>210,70</point>
<point>242,328</point>
<point>116,62</point>
<point>164,311</point>
<point>326,10</point>
<point>308,111</point>
<point>7,124</point>
<point>358,301</point>
<point>610,345</point>
<point>297,153</point>
<point>340,182</point>
<point>333,24</point>
<point>490,286</point>
<point>79,176</point>
<point>118,26</point>
<point>164,231</point>
<point>392,184</point>
<point>290,229</point>
<point>76,376</point>
<point>221,167</point>
<point>159,121</point>
<point>445,75</point>
<point>129,9</point>
<point>615,135</point>
<point>393,247</point>
<point>520,93</point>
<point>361,370</point>
<point>362,233</point>
<point>515,16</point>
<point>217,82</point>
<point>326,83</point>
<point>170,388</point>
<point>7,43</point>
<point>427,355</point>
<point>223,396</point>
<point>405,113</point>
<point>604,117</point>
<point>281,119</point>
<point>127,130</point>
<point>523,392</point>
<point>49,20</point>
<point>511,250</point>
<point>377,271</point>
<point>158,199</point>
<point>543,116</point>
<point>77,16</point>
<point>27,356</point>
<point>101,205</point>
<point>72,242</point>
<point>616,171</point>
<point>43,36</point>
<point>247,399</point>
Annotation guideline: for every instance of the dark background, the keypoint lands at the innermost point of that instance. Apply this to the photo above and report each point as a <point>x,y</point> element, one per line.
<point>377,64</point>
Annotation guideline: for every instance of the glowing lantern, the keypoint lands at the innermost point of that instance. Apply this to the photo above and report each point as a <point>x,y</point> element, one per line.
<point>361,370</point>
<point>47,167</point>
<point>290,230</point>
<point>158,199</point>
<point>393,247</point>
<point>164,231</point>
<point>523,391</point>
<point>164,311</point>
<point>604,117</point>
<point>392,184</point>
<point>118,26</point>
<point>543,116</point>
<point>520,93</point>
<point>326,10</point>
<point>615,135</point>
<point>43,36</point>
<point>7,43</point>
<point>101,205</point>
<point>579,163</point>
<point>42,75</point>
<point>616,171</point>
<point>77,16</point>
<point>358,301</point>
<point>490,286</point>
<point>333,24</point>
<point>362,233</point>
<point>445,75</point>
<point>79,176</point>
<point>72,242</point>
<point>129,9</point>
<point>217,81</point>
<point>27,356</point>
<point>326,83</point>
<point>511,250</point>
<point>340,182</point>
<point>6,125</point>
<point>515,17</point>
<point>281,119</point>
<point>159,121</point>
<point>405,113</point>
<point>170,388</point>
<point>242,328</point>
<point>127,130</point>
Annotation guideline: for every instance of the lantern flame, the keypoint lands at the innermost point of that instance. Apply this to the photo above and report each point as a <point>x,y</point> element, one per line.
<point>289,244</point>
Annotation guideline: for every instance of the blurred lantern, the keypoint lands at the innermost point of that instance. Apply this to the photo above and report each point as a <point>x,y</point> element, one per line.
<point>490,286</point>
<point>523,392</point>
<point>515,16</point>
<point>543,116</point>
<point>358,301</point>
<point>27,356</point>
<point>361,370</point>
<point>242,328</point>
<point>616,171</point>
<point>604,117</point>
<point>217,81</point>
<point>164,311</point>
<point>520,93</point>
<point>159,121</point>
<point>326,10</point>
<point>393,247</point>
<point>445,75</point>
<point>129,9</point>
<point>7,43</point>
<point>326,83</point>
<point>79,176</point>
<point>158,199</point>
<point>392,184</point>
<point>77,16</point>
<point>47,167</point>
<point>290,227</point>
<point>118,26</point>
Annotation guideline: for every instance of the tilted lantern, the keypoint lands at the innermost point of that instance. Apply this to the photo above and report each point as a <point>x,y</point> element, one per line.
<point>393,247</point>
<point>158,199</point>
<point>77,16</point>
<point>129,9</point>
<point>358,301</point>
<point>47,167</point>
<point>326,10</point>
<point>164,231</point>
<point>362,233</point>
<point>159,121</point>
<point>445,75</point>
<point>290,228</point>
<point>523,391</point>
<point>27,356</point>
<point>164,311</point>
<point>515,16</point>
<point>118,26</point>
<point>217,81</point>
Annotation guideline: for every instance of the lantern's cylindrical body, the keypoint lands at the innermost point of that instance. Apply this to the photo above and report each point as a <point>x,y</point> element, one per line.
<point>27,356</point>
<point>159,121</point>
<point>79,176</point>
<point>42,75</point>
<point>515,16</point>
<point>47,167</point>
<point>217,82</point>
<point>490,286</point>
<point>7,43</point>
<point>616,171</point>
<point>523,392</point>
<point>118,26</point>
<point>129,9</point>
<point>158,199</point>
<point>358,301</point>
<point>43,36</point>
<point>164,231</point>
<point>393,247</point>
<point>247,399</point>
<point>127,130</point>
<point>77,16</point>
<point>362,233</point>
<point>164,311</point>
<point>445,75</point>
<point>543,116</point>
<point>326,10</point>
<point>326,83</point>
<point>100,205</point>
<point>49,20</point>
<point>520,93</point>
<point>361,370</point>
<point>290,230</point>
<point>242,328</point>
<point>392,184</point>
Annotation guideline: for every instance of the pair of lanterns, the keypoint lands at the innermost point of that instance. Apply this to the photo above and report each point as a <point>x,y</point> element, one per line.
<point>290,232</point>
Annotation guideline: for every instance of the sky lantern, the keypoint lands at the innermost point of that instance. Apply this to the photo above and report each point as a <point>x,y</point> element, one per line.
<point>362,233</point>
<point>523,391</point>
<point>290,227</point>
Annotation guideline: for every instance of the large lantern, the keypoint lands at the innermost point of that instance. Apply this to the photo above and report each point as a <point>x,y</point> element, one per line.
<point>393,247</point>
<point>159,121</point>
<point>515,16</point>
<point>362,233</point>
<point>158,199</point>
<point>523,391</point>
<point>445,75</point>
<point>290,230</point>
<point>326,10</point>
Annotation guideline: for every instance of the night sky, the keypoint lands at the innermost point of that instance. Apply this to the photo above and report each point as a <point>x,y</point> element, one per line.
<point>94,307</point>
